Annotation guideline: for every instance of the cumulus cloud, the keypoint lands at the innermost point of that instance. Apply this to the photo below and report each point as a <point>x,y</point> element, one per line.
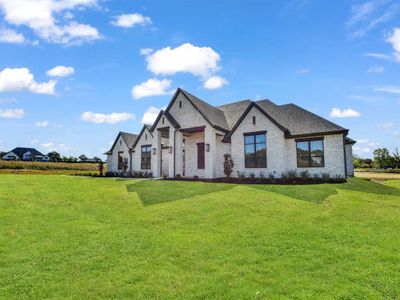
<point>150,115</point>
<point>42,124</point>
<point>11,37</point>
<point>130,20</point>
<point>112,118</point>
<point>214,82</point>
<point>151,87</point>
<point>51,20</point>
<point>392,89</point>
<point>12,113</point>
<point>51,146</point>
<point>394,39</point>
<point>376,69</point>
<point>20,79</point>
<point>345,113</point>
<point>186,58</point>
<point>61,71</point>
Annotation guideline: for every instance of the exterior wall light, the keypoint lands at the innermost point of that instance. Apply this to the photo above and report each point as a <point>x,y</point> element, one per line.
<point>207,147</point>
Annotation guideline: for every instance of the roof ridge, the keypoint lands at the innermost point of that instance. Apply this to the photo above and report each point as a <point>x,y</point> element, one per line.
<point>232,103</point>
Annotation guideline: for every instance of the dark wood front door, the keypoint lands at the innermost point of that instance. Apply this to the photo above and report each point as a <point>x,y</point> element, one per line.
<point>200,156</point>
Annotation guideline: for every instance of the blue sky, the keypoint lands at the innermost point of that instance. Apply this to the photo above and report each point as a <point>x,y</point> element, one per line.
<point>73,73</point>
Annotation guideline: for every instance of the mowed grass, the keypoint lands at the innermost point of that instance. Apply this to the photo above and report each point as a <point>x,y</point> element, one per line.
<point>86,238</point>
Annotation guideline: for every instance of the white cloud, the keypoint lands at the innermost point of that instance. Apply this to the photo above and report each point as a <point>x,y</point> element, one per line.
<point>12,113</point>
<point>130,20</point>
<point>150,115</point>
<point>385,125</point>
<point>34,142</point>
<point>186,58</point>
<point>42,124</point>
<point>303,71</point>
<point>146,51</point>
<point>50,19</point>
<point>369,15</point>
<point>51,146</point>
<point>389,89</point>
<point>61,71</point>
<point>362,150</point>
<point>19,79</point>
<point>214,82</point>
<point>362,141</point>
<point>394,39</point>
<point>11,37</point>
<point>345,113</point>
<point>151,87</point>
<point>376,69</point>
<point>378,55</point>
<point>112,118</point>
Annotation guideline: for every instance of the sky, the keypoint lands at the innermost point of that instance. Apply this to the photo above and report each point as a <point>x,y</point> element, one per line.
<point>73,73</point>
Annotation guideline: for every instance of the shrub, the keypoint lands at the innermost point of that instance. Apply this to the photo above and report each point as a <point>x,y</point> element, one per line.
<point>305,175</point>
<point>262,174</point>
<point>228,165</point>
<point>252,175</point>
<point>316,177</point>
<point>325,177</point>
<point>292,174</point>
<point>241,175</point>
<point>271,176</point>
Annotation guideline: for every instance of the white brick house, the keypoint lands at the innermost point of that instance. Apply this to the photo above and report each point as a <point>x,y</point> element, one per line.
<point>190,138</point>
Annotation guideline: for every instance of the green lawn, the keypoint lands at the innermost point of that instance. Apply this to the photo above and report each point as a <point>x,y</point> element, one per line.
<point>82,238</point>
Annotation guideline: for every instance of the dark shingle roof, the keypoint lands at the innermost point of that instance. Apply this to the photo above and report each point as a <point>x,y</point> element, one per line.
<point>20,151</point>
<point>211,113</point>
<point>129,139</point>
<point>233,111</point>
<point>348,140</point>
<point>297,120</point>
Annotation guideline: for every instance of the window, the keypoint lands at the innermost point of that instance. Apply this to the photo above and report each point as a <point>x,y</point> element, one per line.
<point>255,150</point>
<point>310,153</point>
<point>163,120</point>
<point>120,160</point>
<point>254,120</point>
<point>120,142</point>
<point>145,136</point>
<point>180,104</point>
<point>146,157</point>
<point>200,156</point>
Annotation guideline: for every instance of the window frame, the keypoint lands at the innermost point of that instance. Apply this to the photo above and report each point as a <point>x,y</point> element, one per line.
<point>309,140</point>
<point>145,164</point>
<point>120,160</point>
<point>255,134</point>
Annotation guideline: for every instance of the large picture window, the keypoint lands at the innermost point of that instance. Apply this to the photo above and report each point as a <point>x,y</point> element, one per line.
<point>310,153</point>
<point>146,157</point>
<point>255,150</point>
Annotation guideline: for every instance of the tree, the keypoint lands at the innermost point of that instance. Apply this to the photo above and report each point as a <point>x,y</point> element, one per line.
<point>228,165</point>
<point>396,158</point>
<point>83,157</point>
<point>381,157</point>
<point>54,156</point>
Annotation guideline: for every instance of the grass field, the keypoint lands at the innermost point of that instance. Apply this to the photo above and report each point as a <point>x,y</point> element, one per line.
<point>377,176</point>
<point>86,238</point>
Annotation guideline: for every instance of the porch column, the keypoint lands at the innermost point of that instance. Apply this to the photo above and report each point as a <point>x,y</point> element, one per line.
<point>178,153</point>
<point>156,159</point>
<point>210,156</point>
<point>171,160</point>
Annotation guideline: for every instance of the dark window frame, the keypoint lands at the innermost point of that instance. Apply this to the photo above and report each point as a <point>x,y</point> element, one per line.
<point>309,155</point>
<point>145,157</point>
<point>255,143</point>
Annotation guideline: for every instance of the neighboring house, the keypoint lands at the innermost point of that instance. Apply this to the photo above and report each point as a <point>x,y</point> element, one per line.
<point>191,137</point>
<point>26,154</point>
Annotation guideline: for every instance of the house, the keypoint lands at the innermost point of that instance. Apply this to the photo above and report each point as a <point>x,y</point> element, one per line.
<point>26,154</point>
<point>190,137</point>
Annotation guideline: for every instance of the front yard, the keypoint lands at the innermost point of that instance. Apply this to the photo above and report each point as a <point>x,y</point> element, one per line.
<point>71,237</point>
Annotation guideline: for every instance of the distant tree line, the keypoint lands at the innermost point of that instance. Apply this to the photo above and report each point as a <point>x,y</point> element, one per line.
<point>382,160</point>
<point>54,156</point>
